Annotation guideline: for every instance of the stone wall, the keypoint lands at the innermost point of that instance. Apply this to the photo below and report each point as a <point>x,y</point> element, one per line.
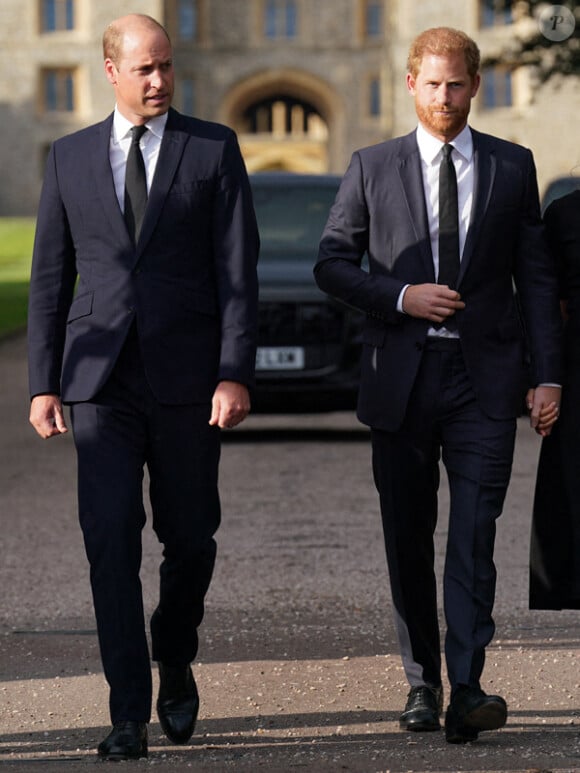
<point>330,64</point>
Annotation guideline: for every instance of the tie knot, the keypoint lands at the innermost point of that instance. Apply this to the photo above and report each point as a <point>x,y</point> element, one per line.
<point>447,150</point>
<point>137,132</point>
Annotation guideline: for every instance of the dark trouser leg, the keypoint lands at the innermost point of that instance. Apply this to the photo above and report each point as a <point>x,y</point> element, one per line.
<point>183,467</point>
<point>110,450</point>
<point>407,478</point>
<point>477,452</point>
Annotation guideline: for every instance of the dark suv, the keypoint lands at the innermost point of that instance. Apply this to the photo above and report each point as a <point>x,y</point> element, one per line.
<point>308,344</point>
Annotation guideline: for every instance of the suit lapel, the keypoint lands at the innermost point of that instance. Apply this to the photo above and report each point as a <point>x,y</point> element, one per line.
<point>170,153</point>
<point>484,170</point>
<point>103,179</point>
<point>411,176</point>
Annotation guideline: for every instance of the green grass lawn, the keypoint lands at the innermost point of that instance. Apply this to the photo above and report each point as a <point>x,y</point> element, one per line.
<point>16,237</point>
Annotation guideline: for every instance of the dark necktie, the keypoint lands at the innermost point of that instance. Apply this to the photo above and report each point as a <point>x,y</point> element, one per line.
<point>448,222</point>
<point>135,184</point>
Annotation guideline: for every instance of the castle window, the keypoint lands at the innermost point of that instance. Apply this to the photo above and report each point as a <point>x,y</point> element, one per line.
<point>495,13</point>
<point>56,15</point>
<point>374,97</point>
<point>496,87</point>
<point>280,19</point>
<point>187,19</point>
<point>58,90</point>
<point>374,19</point>
<point>186,94</point>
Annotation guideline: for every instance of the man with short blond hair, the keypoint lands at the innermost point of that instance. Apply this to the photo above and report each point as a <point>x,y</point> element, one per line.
<point>151,212</point>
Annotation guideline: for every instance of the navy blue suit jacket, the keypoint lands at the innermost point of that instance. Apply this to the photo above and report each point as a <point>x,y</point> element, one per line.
<point>189,284</point>
<point>380,210</point>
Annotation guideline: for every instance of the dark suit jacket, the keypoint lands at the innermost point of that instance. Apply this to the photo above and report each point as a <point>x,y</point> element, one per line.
<point>380,210</point>
<point>190,282</point>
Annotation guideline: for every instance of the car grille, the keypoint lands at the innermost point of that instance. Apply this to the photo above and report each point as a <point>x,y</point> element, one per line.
<point>300,324</point>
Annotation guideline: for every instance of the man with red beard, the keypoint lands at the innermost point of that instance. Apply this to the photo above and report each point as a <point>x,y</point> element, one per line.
<point>449,220</point>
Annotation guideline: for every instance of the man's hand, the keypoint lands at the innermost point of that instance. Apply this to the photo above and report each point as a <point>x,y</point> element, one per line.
<point>230,404</point>
<point>544,406</point>
<point>46,415</point>
<point>431,301</point>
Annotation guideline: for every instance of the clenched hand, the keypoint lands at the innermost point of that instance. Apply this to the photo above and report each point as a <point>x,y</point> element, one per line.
<point>431,301</point>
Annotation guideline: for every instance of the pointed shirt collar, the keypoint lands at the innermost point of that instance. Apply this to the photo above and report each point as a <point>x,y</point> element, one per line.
<point>430,146</point>
<point>122,126</point>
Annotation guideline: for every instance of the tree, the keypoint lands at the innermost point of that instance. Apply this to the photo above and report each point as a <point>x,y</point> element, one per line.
<point>534,39</point>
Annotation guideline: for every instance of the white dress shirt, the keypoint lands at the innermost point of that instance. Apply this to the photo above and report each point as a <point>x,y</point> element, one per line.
<point>120,143</point>
<point>430,151</point>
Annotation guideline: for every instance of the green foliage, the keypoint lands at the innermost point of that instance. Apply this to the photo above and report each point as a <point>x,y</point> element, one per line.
<point>529,47</point>
<point>16,238</point>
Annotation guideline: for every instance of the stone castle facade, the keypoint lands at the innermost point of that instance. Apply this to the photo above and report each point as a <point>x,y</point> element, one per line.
<point>303,82</point>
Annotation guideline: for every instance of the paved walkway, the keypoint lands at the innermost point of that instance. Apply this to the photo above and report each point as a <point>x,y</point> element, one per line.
<point>299,670</point>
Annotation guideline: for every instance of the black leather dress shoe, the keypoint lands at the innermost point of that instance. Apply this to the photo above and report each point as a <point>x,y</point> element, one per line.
<point>424,705</point>
<point>126,741</point>
<point>178,702</point>
<point>470,712</point>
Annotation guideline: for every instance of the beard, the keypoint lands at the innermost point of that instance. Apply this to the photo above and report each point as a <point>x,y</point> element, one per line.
<point>443,122</point>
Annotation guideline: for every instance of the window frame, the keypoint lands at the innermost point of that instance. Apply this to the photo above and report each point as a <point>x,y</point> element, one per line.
<point>62,81</point>
<point>497,88</point>
<point>373,29</point>
<point>374,101</point>
<point>57,16</point>
<point>280,19</point>
<point>180,7</point>
<point>490,15</point>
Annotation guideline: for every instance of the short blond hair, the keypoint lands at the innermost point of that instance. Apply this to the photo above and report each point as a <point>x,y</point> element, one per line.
<point>115,33</point>
<point>443,41</point>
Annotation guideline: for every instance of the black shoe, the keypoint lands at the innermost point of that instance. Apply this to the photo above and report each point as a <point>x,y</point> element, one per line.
<point>424,705</point>
<point>178,702</point>
<point>126,741</point>
<point>470,712</point>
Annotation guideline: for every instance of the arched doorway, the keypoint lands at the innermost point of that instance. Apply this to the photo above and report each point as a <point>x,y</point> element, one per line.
<point>283,120</point>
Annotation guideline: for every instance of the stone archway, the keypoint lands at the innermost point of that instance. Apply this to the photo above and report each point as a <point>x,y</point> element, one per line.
<point>285,120</point>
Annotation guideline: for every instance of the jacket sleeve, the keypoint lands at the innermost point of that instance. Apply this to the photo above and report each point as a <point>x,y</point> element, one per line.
<point>236,246</point>
<point>344,243</point>
<point>52,284</point>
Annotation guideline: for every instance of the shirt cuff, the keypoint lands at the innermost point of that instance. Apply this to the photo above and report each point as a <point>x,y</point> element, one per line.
<point>400,299</point>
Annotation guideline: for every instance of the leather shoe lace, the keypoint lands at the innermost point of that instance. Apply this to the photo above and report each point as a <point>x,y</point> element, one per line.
<point>177,703</point>
<point>422,710</point>
<point>126,741</point>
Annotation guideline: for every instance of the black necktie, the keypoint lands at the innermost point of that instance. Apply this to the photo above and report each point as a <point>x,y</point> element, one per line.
<point>448,221</point>
<point>135,184</point>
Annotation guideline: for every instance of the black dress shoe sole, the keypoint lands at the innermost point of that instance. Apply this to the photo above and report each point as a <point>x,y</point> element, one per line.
<point>460,734</point>
<point>127,741</point>
<point>420,725</point>
<point>120,756</point>
<point>488,716</point>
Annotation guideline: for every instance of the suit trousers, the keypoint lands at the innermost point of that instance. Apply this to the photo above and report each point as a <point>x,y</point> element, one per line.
<point>443,421</point>
<point>122,430</point>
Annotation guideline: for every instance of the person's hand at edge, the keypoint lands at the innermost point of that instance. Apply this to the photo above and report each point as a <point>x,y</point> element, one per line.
<point>230,404</point>
<point>544,406</point>
<point>46,416</point>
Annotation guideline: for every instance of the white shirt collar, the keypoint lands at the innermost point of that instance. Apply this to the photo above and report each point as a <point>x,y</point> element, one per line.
<point>430,146</point>
<point>122,126</point>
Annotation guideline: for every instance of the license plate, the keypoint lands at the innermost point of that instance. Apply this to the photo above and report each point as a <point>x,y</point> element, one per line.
<point>280,358</point>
